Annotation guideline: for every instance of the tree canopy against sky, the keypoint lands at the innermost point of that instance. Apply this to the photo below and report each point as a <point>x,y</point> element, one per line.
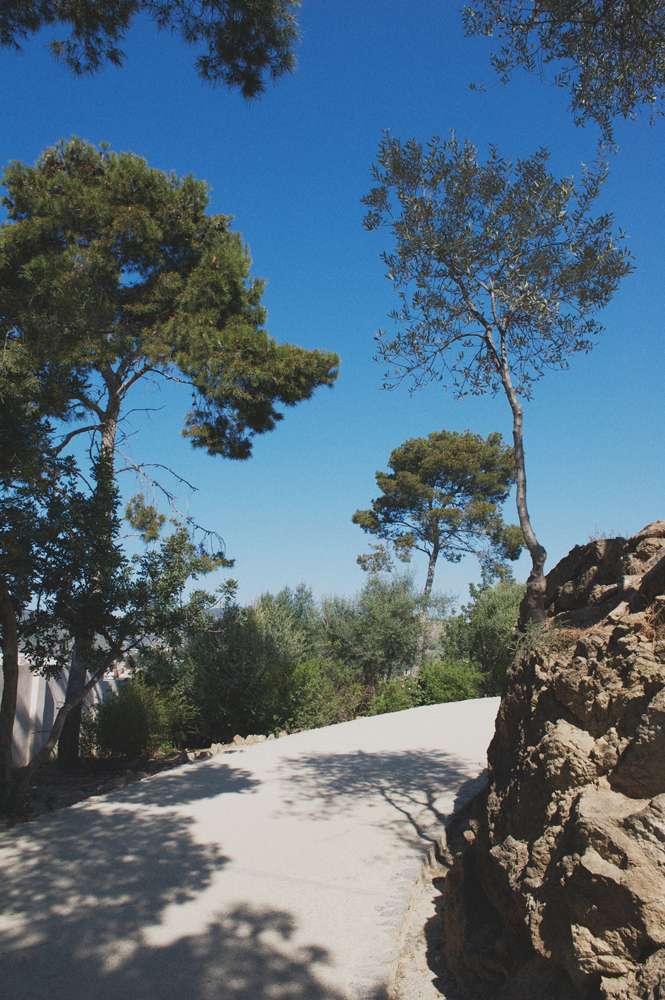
<point>610,54</point>
<point>500,270</point>
<point>111,272</point>
<point>242,41</point>
<point>442,497</point>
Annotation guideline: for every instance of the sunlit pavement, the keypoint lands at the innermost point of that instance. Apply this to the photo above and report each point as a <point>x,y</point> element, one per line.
<point>282,870</point>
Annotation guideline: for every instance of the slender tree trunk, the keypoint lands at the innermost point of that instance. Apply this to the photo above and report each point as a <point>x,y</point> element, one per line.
<point>532,608</point>
<point>424,612</point>
<point>8,623</point>
<point>68,743</point>
<point>70,740</point>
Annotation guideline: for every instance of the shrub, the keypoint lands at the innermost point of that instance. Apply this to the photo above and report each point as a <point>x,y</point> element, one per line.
<point>441,681</point>
<point>323,692</point>
<point>139,719</point>
<point>125,722</point>
<point>493,631</point>
<point>239,672</point>
<point>394,694</point>
<point>378,631</point>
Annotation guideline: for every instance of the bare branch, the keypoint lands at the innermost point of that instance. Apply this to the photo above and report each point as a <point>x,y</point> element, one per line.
<point>72,434</point>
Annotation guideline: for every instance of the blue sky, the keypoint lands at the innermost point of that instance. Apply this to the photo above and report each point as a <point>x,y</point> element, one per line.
<point>291,168</point>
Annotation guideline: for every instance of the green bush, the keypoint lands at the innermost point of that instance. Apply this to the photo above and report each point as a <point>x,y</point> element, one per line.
<point>125,722</point>
<point>323,692</point>
<point>377,632</point>
<point>394,694</point>
<point>239,672</point>
<point>139,719</point>
<point>441,681</point>
<point>493,631</point>
<point>288,662</point>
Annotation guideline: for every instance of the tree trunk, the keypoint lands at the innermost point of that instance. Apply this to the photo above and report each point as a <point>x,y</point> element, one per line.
<point>64,714</point>
<point>70,739</point>
<point>532,608</point>
<point>10,685</point>
<point>424,613</point>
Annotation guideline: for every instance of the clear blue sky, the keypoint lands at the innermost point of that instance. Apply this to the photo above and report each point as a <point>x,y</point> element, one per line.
<point>292,168</point>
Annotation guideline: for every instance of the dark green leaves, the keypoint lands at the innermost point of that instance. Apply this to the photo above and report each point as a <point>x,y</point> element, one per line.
<point>111,270</point>
<point>241,42</point>
<point>442,496</point>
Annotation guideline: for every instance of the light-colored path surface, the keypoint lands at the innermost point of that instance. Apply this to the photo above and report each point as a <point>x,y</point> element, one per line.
<point>281,871</point>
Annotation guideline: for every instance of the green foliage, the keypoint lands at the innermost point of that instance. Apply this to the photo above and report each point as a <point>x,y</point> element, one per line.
<point>85,582</point>
<point>288,663</point>
<point>113,271</point>
<point>144,518</point>
<point>139,719</point>
<point>500,268</point>
<point>438,681</point>
<point>442,497</point>
<point>484,633</point>
<point>285,662</point>
<point>90,590</point>
<point>608,55</point>
<point>38,490</point>
<point>293,619</point>
<point>377,561</point>
<point>454,638</point>
<point>238,672</point>
<point>242,41</point>
<point>394,694</point>
<point>492,631</point>
<point>125,722</point>
<point>378,632</point>
<point>323,692</point>
<point>449,680</point>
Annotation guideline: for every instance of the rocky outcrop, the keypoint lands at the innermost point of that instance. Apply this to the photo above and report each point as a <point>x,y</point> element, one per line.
<point>557,885</point>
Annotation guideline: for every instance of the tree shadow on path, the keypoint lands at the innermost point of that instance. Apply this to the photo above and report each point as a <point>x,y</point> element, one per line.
<point>99,903</point>
<point>411,782</point>
<point>191,783</point>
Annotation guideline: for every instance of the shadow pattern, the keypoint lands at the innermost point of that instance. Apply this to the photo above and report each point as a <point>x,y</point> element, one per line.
<point>84,892</point>
<point>191,784</point>
<point>410,782</point>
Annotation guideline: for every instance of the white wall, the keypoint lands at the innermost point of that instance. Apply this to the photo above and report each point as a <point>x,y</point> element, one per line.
<point>38,701</point>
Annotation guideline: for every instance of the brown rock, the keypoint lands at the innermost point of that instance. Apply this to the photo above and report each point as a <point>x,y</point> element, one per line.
<point>585,568</point>
<point>560,890</point>
<point>653,582</point>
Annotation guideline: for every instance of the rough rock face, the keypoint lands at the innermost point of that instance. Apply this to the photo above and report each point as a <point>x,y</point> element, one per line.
<point>557,889</point>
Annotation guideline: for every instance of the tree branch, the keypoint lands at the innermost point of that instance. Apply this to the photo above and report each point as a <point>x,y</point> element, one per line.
<point>72,434</point>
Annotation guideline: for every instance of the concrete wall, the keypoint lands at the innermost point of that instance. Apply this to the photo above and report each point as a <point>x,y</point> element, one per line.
<point>38,701</point>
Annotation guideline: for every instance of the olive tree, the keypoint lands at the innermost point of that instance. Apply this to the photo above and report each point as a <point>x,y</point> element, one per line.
<point>500,269</point>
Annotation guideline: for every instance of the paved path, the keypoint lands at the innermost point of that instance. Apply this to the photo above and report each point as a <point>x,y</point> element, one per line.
<point>280,871</point>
